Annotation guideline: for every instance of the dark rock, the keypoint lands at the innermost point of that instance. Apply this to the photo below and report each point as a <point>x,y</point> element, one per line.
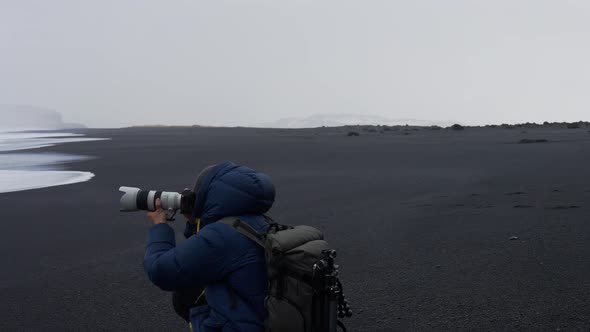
<point>513,238</point>
<point>353,133</point>
<point>564,207</point>
<point>529,141</point>
<point>515,193</point>
<point>457,127</point>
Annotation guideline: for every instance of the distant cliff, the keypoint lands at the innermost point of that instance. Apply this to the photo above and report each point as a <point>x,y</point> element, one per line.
<point>22,117</point>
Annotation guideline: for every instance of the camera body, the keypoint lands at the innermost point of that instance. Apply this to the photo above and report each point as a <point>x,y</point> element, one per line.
<point>136,199</point>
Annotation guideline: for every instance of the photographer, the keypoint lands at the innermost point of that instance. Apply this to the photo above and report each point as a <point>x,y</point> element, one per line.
<point>228,266</point>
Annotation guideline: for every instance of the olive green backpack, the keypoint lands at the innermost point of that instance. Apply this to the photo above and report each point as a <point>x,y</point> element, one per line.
<point>304,291</point>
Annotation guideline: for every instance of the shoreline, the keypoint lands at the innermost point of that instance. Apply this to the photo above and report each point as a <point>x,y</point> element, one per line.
<point>24,166</point>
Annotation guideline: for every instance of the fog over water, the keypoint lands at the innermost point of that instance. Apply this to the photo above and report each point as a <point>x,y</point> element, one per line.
<point>117,63</point>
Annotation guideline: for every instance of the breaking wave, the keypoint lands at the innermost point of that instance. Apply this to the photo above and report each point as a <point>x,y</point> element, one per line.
<point>26,171</point>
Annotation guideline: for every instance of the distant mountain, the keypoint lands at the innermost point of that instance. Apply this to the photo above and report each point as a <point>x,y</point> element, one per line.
<point>22,117</point>
<point>336,120</point>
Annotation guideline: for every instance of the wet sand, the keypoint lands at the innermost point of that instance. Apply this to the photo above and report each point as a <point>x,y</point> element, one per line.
<point>436,229</point>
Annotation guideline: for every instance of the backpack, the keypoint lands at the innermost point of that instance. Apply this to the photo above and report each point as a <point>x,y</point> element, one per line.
<point>304,291</point>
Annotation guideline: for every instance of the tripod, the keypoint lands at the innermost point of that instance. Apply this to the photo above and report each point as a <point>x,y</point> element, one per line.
<point>329,301</point>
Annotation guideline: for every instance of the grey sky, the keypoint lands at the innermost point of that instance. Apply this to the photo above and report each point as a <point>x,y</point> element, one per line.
<point>117,62</point>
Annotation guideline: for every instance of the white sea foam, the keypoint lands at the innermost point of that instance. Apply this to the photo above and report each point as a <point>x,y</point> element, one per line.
<point>25,171</point>
<point>25,180</point>
<point>37,161</point>
<point>32,134</point>
<point>26,141</point>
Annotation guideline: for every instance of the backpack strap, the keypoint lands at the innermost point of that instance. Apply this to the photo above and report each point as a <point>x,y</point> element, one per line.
<point>268,219</point>
<point>244,229</point>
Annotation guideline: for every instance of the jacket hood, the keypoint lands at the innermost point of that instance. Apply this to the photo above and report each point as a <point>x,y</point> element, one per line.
<point>228,189</point>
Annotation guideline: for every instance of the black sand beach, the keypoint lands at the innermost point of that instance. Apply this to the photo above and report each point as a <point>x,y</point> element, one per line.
<point>436,229</point>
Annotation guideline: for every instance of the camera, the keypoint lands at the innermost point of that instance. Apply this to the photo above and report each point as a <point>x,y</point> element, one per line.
<point>136,199</point>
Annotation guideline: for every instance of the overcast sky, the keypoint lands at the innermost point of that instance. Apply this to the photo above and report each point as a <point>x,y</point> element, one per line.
<point>116,62</point>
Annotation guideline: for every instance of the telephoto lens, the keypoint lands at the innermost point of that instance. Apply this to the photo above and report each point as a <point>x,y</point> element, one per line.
<point>136,199</point>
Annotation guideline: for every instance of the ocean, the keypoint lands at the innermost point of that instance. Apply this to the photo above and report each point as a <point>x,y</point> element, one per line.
<point>29,170</point>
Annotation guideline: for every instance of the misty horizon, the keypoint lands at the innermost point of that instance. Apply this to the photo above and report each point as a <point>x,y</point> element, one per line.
<point>113,64</point>
<point>18,118</point>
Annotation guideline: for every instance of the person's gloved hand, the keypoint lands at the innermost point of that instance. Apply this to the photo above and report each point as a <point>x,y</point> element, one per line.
<point>158,216</point>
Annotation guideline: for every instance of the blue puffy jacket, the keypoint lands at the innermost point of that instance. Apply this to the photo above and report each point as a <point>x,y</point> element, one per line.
<point>230,266</point>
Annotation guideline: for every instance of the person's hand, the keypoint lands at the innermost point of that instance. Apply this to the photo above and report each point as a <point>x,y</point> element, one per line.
<point>158,216</point>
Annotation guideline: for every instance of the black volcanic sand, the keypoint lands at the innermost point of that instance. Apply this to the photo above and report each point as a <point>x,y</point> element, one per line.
<point>436,230</point>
